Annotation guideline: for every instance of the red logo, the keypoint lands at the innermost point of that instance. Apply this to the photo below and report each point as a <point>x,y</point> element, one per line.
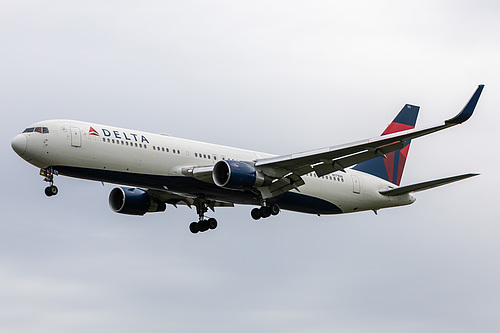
<point>93,131</point>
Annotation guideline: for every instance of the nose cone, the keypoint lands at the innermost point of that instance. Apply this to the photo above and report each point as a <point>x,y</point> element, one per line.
<point>19,144</point>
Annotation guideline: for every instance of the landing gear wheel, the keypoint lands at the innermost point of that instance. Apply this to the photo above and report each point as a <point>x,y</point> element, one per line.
<point>212,223</point>
<point>255,213</point>
<point>203,226</point>
<point>265,212</point>
<point>275,209</point>
<point>193,227</point>
<point>51,190</point>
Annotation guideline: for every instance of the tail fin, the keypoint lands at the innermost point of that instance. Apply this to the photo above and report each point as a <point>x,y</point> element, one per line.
<point>391,168</point>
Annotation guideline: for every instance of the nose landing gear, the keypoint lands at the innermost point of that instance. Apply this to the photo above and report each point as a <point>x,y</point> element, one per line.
<point>49,178</point>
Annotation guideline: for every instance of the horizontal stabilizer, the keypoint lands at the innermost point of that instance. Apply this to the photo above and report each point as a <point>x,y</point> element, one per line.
<point>426,185</point>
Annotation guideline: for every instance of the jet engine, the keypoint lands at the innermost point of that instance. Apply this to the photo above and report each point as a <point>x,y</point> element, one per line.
<point>238,175</point>
<point>133,201</point>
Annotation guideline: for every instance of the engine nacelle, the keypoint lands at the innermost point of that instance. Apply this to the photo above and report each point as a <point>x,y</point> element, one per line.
<point>238,175</point>
<point>133,201</point>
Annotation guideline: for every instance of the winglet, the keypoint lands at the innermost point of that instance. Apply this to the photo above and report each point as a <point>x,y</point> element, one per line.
<point>468,109</point>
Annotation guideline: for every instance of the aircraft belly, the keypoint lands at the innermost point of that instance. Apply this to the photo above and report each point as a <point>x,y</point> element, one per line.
<point>316,196</point>
<point>294,201</point>
<point>187,186</point>
<point>303,203</point>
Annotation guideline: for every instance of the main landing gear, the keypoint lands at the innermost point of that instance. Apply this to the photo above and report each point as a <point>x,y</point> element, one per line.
<point>49,178</point>
<point>203,224</point>
<point>265,211</point>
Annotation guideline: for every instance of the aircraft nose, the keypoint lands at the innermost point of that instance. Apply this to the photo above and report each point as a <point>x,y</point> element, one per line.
<point>19,144</point>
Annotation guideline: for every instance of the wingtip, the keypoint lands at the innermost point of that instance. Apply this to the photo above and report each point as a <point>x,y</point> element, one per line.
<point>468,109</point>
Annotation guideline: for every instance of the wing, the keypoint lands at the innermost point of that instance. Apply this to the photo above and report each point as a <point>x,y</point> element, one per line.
<point>288,169</point>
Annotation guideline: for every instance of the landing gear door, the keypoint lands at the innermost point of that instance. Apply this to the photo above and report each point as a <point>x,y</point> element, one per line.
<point>76,137</point>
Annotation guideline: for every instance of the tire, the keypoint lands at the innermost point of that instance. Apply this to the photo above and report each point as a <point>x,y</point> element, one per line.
<point>203,226</point>
<point>212,223</point>
<point>48,191</point>
<point>53,189</point>
<point>255,213</point>
<point>275,209</point>
<point>265,212</point>
<point>193,227</point>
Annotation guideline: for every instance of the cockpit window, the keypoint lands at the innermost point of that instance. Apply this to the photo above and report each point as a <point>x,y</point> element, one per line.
<point>43,130</point>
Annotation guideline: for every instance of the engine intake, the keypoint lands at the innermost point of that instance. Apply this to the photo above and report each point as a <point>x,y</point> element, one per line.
<point>238,175</point>
<point>133,201</point>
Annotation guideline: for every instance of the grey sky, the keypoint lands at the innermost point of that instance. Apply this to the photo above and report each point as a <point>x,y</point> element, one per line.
<point>279,77</point>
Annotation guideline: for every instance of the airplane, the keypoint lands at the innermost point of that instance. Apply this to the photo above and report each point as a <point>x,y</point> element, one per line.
<point>156,170</point>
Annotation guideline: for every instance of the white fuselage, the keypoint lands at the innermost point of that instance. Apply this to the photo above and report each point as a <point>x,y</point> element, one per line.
<point>146,160</point>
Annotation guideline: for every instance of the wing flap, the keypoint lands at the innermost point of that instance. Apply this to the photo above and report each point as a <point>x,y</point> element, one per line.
<point>343,163</point>
<point>282,185</point>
